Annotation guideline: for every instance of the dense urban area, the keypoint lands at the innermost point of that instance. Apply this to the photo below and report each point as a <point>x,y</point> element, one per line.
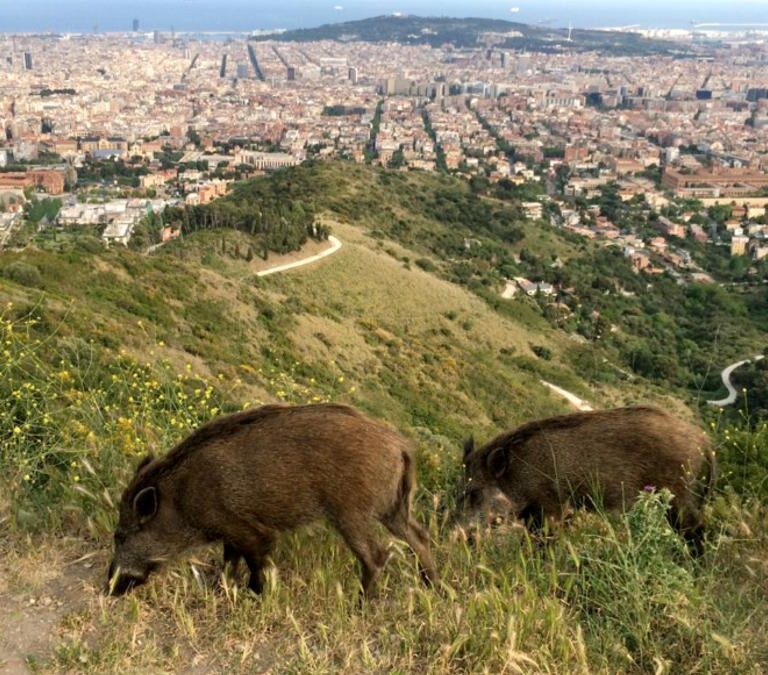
<point>658,154</point>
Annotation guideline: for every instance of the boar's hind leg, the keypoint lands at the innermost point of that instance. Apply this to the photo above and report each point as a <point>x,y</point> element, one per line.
<point>255,552</point>
<point>359,531</point>
<point>405,527</point>
<point>232,557</point>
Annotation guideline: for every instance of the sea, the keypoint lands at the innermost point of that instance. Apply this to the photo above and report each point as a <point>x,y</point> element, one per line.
<point>248,15</point>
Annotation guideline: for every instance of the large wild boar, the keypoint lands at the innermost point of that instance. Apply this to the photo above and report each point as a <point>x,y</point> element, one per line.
<point>588,459</point>
<point>244,478</point>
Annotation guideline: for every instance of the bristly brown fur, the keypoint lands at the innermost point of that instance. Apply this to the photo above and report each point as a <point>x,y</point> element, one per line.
<point>218,429</point>
<point>526,431</point>
<point>611,456</point>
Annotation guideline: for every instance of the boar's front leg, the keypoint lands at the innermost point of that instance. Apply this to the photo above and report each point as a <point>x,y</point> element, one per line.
<point>232,556</point>
<point>255,551</point>
<point>403,526</point>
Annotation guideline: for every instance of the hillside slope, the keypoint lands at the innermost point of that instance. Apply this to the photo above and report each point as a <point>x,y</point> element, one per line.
<point>108,355</point>
<point>623,325</point>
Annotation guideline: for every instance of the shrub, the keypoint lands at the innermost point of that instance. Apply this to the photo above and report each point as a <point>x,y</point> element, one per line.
<point>24,274</point>
<point>89,244</point>
<point>426,264</point>
<point>742,454</point>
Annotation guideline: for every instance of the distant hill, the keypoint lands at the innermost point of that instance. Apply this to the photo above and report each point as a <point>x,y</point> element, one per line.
<point>472,32</point>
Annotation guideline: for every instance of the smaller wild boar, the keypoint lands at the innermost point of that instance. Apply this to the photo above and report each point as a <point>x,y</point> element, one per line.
<point>590,459</point>
<point>244,478</point>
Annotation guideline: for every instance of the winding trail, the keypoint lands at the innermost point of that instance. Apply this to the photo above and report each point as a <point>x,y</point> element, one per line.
<point>726,377</point>
<point>733,394</point>
<point>335,246</point>
<point>578,403</point>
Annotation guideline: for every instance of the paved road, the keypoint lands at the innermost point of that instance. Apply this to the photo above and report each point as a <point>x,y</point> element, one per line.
<point>726,377</point>
<point>335,246</point>
<point>575,401</point>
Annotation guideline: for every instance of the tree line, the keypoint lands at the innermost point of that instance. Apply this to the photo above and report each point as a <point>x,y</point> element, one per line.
<point>257,208</point>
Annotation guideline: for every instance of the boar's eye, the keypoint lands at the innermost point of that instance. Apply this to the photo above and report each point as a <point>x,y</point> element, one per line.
<point>145,504</point>
<point>472,498</point>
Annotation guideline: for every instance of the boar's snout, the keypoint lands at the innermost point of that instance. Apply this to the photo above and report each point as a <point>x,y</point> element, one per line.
<point>121,581</point>
<point>480,508</point>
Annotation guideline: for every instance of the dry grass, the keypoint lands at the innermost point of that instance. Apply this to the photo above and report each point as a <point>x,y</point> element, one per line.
<point>370,283</point>
<point>601,597</point>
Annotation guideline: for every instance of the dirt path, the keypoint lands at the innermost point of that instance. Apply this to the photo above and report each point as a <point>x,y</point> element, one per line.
<point>575,401</point>
<point>32,610</point>
<point>335,245</point>
<point>726,377</point>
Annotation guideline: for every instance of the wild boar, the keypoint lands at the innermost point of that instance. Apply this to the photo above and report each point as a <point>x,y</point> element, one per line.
<point>244,478</point>
<point>591,459</point>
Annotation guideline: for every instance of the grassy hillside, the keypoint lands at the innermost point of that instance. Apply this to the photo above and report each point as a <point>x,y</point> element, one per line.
<point>107,355</point>
<point>365,327</point>
<point>622,325</point>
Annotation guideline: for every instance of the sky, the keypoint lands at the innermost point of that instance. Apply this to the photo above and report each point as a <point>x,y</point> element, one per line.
<point>111,15</point>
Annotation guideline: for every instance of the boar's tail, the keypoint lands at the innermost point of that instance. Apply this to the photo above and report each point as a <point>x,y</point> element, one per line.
<point>708,480</point>
<point>407,484</point>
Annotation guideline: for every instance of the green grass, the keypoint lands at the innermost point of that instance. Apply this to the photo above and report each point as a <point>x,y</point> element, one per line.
<point>603,595</point>
<point>109,355</point>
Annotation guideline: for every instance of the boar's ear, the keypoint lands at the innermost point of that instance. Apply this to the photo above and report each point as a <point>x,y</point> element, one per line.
<point>469,447</point>
<point>145,504</point>
<point>146,460</point>
<point>497,462</point>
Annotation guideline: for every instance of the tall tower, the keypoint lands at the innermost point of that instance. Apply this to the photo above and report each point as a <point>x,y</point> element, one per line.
<point>27,60</point>
<point>135,25</point>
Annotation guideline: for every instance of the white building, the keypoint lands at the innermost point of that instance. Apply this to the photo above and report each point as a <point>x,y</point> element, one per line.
<point>119,231</point>
<point>265,161</point>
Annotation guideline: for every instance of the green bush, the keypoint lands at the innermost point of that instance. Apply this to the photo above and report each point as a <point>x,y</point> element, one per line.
<point>742,445</point>
<point>89,244</point>
<point>426,264</point>
<point>24,274</point>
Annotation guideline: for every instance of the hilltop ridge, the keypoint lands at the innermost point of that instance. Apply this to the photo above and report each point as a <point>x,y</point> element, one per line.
<point>475,31</point>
